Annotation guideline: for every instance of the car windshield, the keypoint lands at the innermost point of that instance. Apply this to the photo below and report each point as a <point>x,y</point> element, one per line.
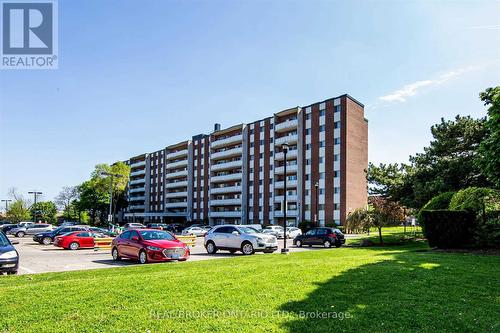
<point>246,230</point>
<point>67,233</point>
<point>3,240</point>
<point>156,234</point>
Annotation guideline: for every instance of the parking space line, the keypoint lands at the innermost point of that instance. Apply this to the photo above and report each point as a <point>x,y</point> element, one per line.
<point>27,270</point>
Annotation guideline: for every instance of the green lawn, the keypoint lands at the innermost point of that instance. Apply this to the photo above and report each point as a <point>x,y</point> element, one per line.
<point>383,289</point>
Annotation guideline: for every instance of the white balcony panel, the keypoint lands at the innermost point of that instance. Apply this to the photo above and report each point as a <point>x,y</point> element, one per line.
<point>289,198</point>
<point>292,154</point>
<point>176,194</point>
<point>137,181</point>
<point>228,189</point>
<point>286,139</point>
<point>226,214</point>
<point>138,173</point>
<point>289,213</point>
<point>177,154</point>
<point>176,204</point>
<point>177,164</point>
<point>289,184</point>
<point>226,141</point>
<point>177,174</point>
<point>225,178</point>
<point>183,183</point>
<point>137,189</point>
<point>137,164</point>
<point>137,198</point>
<point>227,153</point>
<point>226,165</point>
<point>289,169</point>
<point>287,125</point>
<point>136,207</point>
<point>225,202</point>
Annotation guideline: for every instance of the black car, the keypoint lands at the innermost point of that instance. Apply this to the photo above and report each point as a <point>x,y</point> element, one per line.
<point>9,258</point>
<point>6,227</point>
<point>326,237</point>
<point>48,237</point>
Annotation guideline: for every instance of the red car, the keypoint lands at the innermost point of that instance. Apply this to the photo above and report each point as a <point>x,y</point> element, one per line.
<point>149,245</point>
<point>75,240</point>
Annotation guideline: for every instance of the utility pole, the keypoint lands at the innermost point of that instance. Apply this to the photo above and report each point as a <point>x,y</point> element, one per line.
<point>111,175</point>
<point>6,205</point>
<point>35,195</point>
<point>284,250</point>
<point>316,216</point>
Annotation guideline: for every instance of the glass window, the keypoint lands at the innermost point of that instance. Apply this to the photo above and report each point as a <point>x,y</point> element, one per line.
<point>322,232</point>
<point>125,235</point>
<point>311,232</point>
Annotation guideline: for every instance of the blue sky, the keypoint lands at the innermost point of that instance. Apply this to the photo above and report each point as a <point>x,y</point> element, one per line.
<point>135,76</point>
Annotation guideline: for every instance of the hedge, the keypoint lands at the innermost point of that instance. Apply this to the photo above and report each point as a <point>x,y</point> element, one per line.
<point>448,229</point>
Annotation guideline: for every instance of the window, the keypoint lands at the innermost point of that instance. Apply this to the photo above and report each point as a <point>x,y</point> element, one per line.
<point>308,146</point>
<point>308,116</point>
<point>321,113</point>
<point>251,144</point>
<point>321,160</point>
<point>336,174</point>
<point>336,206</point>
<point>308,161</point>
<point>307,192</point>
<point>83,234</point>
<point>336,190</point>
<point>338,108</point>
<point>322,128</point>
<point>336,157</point>
<point>251,131</point>
<point>321,232</point>
<point>336,124</point>
<point>261,142</point>
<point>322,144</point>
<point>336,141</point>
<point>311,232</point>
<point>125,235</point>
<point>308,131</point>
<point>321,175</point>
<point>321,191</point>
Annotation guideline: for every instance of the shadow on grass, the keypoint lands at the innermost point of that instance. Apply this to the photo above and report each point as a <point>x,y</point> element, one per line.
<point>414,290</point>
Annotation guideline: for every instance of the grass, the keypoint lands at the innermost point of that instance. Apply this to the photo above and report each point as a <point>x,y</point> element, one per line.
<point>383,289</point>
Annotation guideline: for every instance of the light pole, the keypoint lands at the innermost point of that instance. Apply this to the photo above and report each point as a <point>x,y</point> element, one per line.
<point>284,250</point>
<point>35,195</point>
<point>316,216</point>
<point>6,205</point>
<point>111,175</point>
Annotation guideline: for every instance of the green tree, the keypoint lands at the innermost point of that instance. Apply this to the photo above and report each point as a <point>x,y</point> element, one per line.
<point>45,211</point>
<point>64,200</point>
<point>19,211</point>
<point>93,201</point>
<point>476,199</point>
<point>358,220</point>
<point>385,213</point>
<point>101,181</point>
<point>490,146</point>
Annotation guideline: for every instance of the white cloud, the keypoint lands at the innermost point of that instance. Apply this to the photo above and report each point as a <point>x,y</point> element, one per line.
<point>409,90</point>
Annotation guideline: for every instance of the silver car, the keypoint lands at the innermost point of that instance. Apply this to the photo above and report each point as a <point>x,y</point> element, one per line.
<point>30,229</point>
<point>234,238</point>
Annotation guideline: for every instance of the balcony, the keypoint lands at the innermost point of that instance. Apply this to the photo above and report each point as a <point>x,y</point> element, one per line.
<point>138,173</point>
<point>226,141</point>
<point>225,202</point>
<point>137,181</point>
<point>292,154</point>
<point>289,184</point>
<point>289,198</point>
<point>137,164</point>
<point>225,178</point>
<point>227,189</point>
<point>182,183</point>
<point>137,189</point>
<point>289,213</point>
<point>177,174</point>
<point>287,125</point>
<point>226,165</point>
<point>227,153</point>
<point>137,198</point>
<point>182,204</point>
<point>177,154</point>
<point>135,207</point>
<point>178,164</point>
<point>286,139</point>
<point>225,214</point>
<point>289,169</point>
<point>176,194</point>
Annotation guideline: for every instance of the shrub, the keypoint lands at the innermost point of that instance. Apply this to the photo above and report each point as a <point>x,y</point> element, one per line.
<point>475,199</point>
<point>487,231</point>
<point>305,226</point>
<point>440,201</point>
<point>448,229</point>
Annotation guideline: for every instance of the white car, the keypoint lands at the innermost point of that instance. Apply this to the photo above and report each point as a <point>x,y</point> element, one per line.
<point>234,238</point>
<point>292,232</point>
<point>274,230</point>
<point>194,231</point>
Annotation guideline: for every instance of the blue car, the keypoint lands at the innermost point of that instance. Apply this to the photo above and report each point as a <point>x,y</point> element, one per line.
<point>9,258</point>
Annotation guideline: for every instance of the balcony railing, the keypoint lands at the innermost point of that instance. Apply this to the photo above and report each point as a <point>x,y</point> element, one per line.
<point>225,202</point>
<point>183,183</point>
<point>138,173</point>
<point>285,139</point>
<point>292,154</point>
<point>135,207</point>
<point>226,165</point>
<point>137,181</point>
<point>226,214</point>
<point>289,213</point>
<point>182,204</point>
<point>219,179</point>
<point>137,198</point>
<point>287,125</point>
<point>177,174</point>
<point>137,189</point>
<point>289,169</point>
<point>177,154</point>
<point>227,153</point>
<point>227,189</point>
<point>289,198</point>
<point>230,140</point>
<point>137,164</point>
<point>176,194</point>
<point>178,164</point>
<point>289,184</point>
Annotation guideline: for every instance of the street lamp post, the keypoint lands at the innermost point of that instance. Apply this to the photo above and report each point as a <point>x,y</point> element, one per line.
<point>316,208</point>
<point>112,175</point>
<point>284,250</point>
<point>35,195</point>
<point>6,205</point>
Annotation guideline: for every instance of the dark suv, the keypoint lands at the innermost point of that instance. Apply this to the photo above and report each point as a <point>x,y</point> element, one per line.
<point>48,237</point>
<point>326,237</point>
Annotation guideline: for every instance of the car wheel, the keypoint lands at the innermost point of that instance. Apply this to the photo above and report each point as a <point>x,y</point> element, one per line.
<point>20,234</point>
<point>74,246</point>
<point>298,243</point>
<point>143,257</point>
<point>211,248</point>
<point>247,248</point>
<point>46,240</point>
<point>12,273</point>
<point>338,244</point>
<point>327,243</point>
<point>115,254</point>
<point>232,251</point>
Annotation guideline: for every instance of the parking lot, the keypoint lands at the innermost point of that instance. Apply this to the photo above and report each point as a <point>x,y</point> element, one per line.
<point>36,258</point>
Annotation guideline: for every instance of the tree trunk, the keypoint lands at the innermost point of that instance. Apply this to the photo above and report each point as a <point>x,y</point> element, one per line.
<point>380,235</point>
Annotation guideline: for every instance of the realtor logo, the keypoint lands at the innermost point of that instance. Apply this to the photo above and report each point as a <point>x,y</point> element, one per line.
<point>29,34</point>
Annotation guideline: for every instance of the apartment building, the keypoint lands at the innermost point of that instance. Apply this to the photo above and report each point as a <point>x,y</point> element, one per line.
<point>238,174</point>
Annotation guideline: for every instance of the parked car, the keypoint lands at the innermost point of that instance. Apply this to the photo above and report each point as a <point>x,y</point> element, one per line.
<point>77,240</point>
<point>239,238</point>
<point>149,245</point>
<point>174,227</point>
<point>321,236</point>
<point>133,226</point>
<point>102,231</point>
<point>158,226</point>
<point>9,258</point>
<point>4,222</point>
<point>194,231</point>
<point>31,229</point>
<point>69,223</point>
<point>47,238</point>
<point>6,227</point>
<point>292,232</point>
<point>25,223</point>
<point>274,230</point>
